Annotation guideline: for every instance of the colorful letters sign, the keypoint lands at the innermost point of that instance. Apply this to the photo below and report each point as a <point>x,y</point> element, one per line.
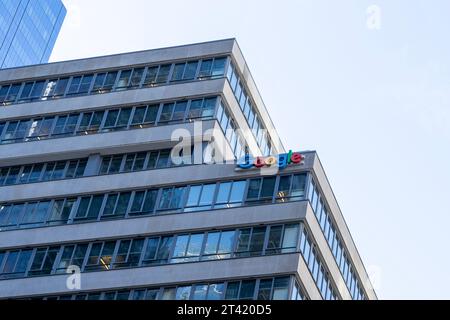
<point>281,161</point>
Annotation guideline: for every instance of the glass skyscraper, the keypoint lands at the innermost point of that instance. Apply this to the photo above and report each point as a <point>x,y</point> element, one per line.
<point>28,30</point>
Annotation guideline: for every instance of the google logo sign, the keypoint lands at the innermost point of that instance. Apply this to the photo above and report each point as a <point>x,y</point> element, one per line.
<point>282,160</point>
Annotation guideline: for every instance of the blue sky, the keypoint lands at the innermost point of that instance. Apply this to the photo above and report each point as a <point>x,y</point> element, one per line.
<point>374,103</point>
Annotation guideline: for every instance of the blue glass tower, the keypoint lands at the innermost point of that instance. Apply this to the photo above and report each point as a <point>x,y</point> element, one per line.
<point>28,30</point>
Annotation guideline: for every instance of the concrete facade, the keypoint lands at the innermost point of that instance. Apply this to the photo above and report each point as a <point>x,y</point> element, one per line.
<point>277,211</point>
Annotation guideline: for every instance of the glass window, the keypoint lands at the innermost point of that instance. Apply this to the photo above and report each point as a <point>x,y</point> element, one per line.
<point>163,74</point>
<point>13,92</point>
<point>237,192</point>
<point>274,242</point>
<point>232,290</point>
<point>205,68</point>
<point>243,241</point>
<point>151,250</point>
<point>298,186</point>
<point>247,290</point>
<point>111,118</point>
<point>136,77</point>
<point>22,129</point>
<point>43,261</point>
<point>24,175</point>
<point>100,256</point>
<point>195,109</point>
<point>253,189</point>
<point>152,113</point>
<point>218,67</point>
<point>124,116</point>
<point>122,204</point>
<point>166,113</point>
<point>109,81</point>
<point>128,253</point>
<point>215,291</point>
<point>98,83</point>
<point>187,248</point>
<point>116,163</point>
<point>138,116</point>
<point>26,91</point>
<point>71,123</point>
<point>194,195</point>
<point>219,245</point>
<point>265,288</point>
<point>138,200</point>
<point>12,176</point>
<point>199,292</point>
<point>179,111</point>
<point>60,211</point>
<point>150,76</point>
<point>209,107</point>
<point>178,71</point>
<point>139,161</point>
<point>164,249</point>
<point>223,194</point>
<point>76,168</point>
<point>16,264</point>
<point>290,238</point>
<point>267,188</point>
<point>150,201</point>
<point>61,86</point>
<point>281,288</point>
<point>74,85</point>
<point>169,294</point>
<point>129,160</point>
<point>110,204</point>
<point>4,214</point>
<point>163,159</point>
<point>183,293</point>
<point>257,241</point>
<point>124,79</point>
<point>3,92</point>
<point>190,70</point>
<point>85,84</point>
<point>38,89</point>
<point>207,195</point>
<point>58,172</point>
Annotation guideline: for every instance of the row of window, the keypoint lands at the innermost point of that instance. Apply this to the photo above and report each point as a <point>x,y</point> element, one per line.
<point>153,250</point>
<point>124,204</point>
<point>155,159</point>
<point>316,267</point>
<point>274,288</point>
<point>56,170</point>
<point>169,249</point>
<point>230,129</point>
<point>249,110</point>
<point>336,244</point>
<point>111,164</point>
<point>114,80</point>
<point>40,128</point>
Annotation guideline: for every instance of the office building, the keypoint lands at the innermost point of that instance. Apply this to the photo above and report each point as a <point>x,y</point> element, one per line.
<point>149,175</point>
<point>28,30</point>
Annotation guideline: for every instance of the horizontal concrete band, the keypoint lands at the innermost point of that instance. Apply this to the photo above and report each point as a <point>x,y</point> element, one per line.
<point>156,276</point>
<point>160,224</point>
<point>183,52</point>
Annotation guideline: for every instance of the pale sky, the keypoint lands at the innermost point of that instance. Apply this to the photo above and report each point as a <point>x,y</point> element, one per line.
<point>374,103</point>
